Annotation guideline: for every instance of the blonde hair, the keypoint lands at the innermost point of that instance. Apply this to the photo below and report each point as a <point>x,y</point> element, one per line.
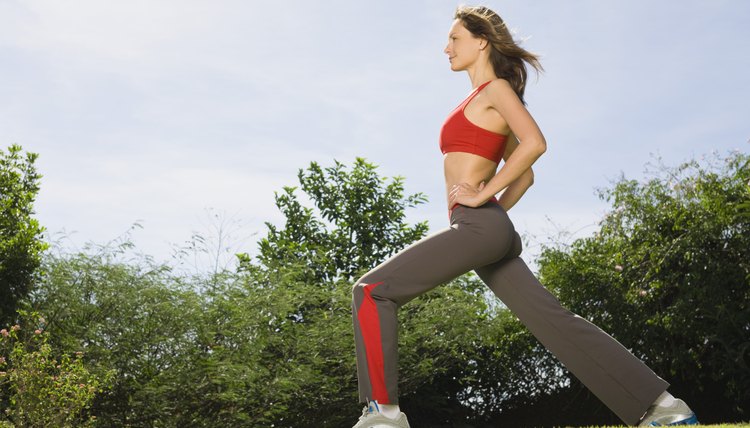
<point>506,56</point>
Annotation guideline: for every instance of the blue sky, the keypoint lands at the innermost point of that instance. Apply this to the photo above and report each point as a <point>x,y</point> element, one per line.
<point>158,110</point>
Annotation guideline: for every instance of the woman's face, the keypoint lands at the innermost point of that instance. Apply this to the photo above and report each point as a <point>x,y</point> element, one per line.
<point>463,48</point>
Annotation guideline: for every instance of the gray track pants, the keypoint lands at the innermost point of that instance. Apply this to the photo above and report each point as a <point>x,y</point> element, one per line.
<point>483,239</point>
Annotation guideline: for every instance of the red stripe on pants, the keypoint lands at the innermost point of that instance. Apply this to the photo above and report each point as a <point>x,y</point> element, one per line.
<point>369,324</point>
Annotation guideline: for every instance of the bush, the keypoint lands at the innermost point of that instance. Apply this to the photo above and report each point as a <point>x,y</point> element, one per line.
<point>668,275</point>
<point>43,390</point>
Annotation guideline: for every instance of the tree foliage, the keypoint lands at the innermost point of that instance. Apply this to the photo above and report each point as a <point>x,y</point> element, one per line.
<point>20,234</point>
<point>359,222</point>
<point>129,316</point>
<point>668,274</point>
<point>44,389</point>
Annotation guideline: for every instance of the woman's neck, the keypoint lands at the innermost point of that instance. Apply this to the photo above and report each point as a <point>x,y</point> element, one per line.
<point>480,72</point>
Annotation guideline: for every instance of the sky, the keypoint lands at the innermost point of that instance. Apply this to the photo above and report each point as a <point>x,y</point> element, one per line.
<point>186,116</point>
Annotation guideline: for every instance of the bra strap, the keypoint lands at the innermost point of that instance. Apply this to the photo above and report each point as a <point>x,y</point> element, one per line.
<point>476,91</point>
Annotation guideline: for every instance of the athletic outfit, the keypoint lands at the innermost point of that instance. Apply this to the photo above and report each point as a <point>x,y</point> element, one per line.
<point>460,135</point>
<point>483,239</point>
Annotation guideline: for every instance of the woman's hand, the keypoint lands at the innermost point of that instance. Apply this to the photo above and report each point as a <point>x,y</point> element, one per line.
<point>466,195</point>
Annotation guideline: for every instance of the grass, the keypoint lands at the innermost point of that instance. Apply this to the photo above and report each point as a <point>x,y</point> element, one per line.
<point>741,425</point>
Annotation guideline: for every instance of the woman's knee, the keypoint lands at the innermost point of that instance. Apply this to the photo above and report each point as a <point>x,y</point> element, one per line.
<point>359,284</point>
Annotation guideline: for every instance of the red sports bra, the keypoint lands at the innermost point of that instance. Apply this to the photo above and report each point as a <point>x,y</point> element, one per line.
<point>460,135</point>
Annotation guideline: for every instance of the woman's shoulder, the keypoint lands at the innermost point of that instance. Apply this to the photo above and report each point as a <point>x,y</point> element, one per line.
<point>499,89</point>
<point>498,84</point>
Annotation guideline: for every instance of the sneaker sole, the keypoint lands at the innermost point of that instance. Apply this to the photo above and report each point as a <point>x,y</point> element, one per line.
<point>692,420</point>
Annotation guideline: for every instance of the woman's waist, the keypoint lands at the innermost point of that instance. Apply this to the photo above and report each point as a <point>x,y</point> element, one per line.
<point>460,165</point>
<point>472,178</point>
<point>471,181</point>
<point>460,173</point>
<point>491,201</point>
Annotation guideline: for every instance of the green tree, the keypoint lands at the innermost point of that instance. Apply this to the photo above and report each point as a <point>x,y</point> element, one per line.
<point>130,316</point>
<point>20,234</point>
<point>359,222</point>
<point>668,274</point>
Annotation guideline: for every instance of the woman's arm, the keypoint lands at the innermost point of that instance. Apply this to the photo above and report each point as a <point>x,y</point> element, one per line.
<point>517,188</point>
<point>513,193</point>
<point>532,145</point>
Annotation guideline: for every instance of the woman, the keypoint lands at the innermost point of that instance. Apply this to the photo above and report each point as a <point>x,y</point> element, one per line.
<point>490,124</point>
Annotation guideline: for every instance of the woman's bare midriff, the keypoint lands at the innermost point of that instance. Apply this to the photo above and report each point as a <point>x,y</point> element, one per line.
<point>460,167</point>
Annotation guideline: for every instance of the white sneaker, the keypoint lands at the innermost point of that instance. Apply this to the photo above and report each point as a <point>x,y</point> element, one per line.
<point>372,418</point>
<point>677,414</point>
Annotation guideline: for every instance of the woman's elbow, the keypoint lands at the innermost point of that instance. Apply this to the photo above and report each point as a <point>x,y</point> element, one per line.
<point>541,146</point>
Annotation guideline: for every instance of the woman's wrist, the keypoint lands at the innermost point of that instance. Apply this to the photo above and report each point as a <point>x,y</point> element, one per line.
<point>485,195</point>
<point>483,198</point>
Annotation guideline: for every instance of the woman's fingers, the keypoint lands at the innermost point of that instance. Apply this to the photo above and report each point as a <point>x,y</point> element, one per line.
<point>462,189</point>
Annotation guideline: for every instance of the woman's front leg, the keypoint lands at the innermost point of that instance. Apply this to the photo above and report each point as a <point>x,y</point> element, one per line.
<point>476,237</point>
